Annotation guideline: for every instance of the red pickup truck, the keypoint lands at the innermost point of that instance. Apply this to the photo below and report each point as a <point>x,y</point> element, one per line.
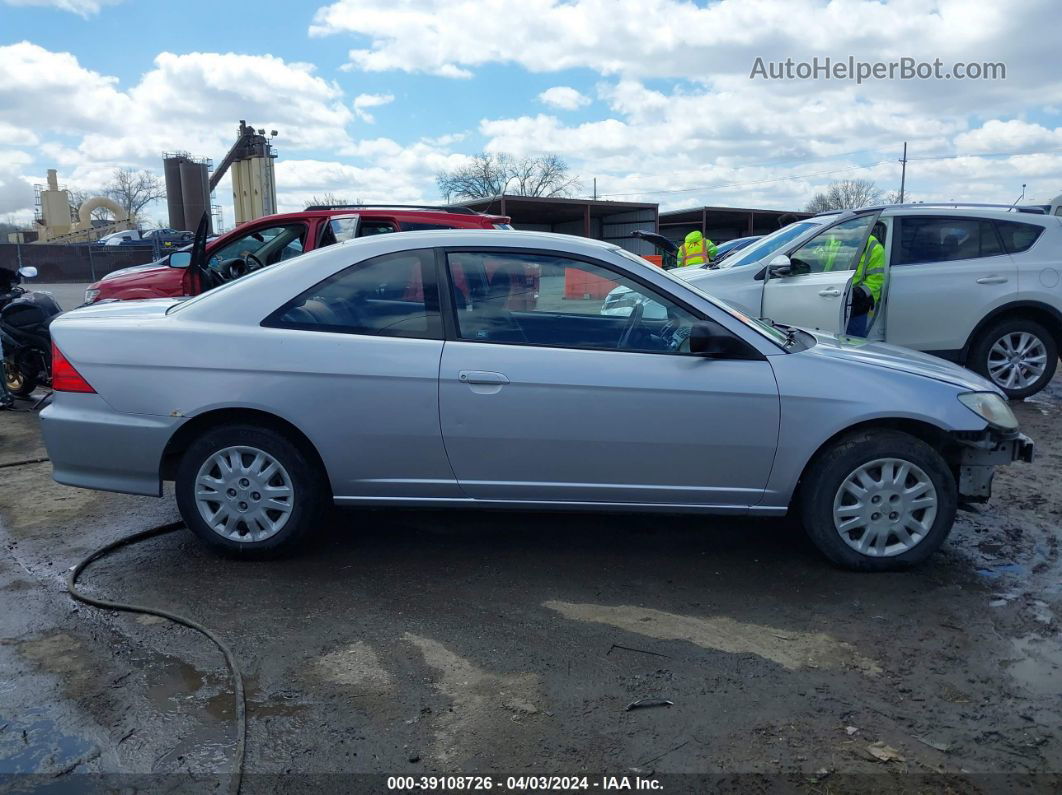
<point>273,238</point>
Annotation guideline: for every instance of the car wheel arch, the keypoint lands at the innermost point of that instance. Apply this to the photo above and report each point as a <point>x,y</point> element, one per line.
<point>196,426</point>
<point>934,435</point>
<point>1044,314</point>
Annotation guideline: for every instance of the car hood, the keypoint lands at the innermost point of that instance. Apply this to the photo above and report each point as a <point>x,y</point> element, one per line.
<point>151,267</point>
<point>151,307</point>
<point>893,357</point>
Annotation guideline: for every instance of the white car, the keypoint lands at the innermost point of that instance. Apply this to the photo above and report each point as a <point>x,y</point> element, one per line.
<point>978,285</point>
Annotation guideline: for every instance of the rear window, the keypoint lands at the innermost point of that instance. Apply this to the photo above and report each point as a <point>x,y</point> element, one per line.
<point>928,240</point>
<point>1018,237</point>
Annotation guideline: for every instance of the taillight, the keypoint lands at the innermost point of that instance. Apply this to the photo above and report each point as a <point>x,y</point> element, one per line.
<point>64,377</point>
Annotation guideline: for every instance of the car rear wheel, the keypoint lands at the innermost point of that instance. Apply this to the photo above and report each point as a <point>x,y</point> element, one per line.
<point>249,491</point>
<point>878,501</point>
<point>1018,356</point>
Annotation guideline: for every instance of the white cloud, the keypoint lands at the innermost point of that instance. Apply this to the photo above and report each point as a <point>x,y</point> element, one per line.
<point>16,192</point>
<point>363,101</point>
<point>563,98</point>
<point>1009,136</point>
<point>83,8</point>
<point>88,124</point>
<point>678,39</point>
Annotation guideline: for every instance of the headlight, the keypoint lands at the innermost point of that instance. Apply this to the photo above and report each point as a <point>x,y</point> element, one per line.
<point>91,295</point>
<point>992,408</point>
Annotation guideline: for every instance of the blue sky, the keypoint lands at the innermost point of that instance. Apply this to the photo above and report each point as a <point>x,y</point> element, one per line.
<point>652,97</point>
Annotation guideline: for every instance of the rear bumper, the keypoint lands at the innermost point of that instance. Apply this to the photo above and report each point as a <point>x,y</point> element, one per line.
<point>95,447</point>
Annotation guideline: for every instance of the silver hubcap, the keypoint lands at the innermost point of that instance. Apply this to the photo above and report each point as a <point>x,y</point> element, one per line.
<point>885,507</point>
<point>1017,360</point>
<point>244,494</point>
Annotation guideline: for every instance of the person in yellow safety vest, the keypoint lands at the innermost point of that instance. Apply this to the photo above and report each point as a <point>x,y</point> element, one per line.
<point>697,250</point>
<point>866,284</point>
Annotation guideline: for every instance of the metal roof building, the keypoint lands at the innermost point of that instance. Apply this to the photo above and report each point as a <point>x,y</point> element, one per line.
<point>724,223</point>
<point>600,220</point>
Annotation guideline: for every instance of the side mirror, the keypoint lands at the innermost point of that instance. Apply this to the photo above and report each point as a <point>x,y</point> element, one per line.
<point>780,266</point>
<point>180,259</point>
<point>27,271</point>
<point>710,339</point>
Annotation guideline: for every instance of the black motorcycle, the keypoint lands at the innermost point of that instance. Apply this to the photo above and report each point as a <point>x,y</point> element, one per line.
<point>27,343</point>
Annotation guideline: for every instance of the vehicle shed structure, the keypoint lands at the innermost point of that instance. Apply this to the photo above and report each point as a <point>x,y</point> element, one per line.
<point>720,224</point>
<point>600,220</point>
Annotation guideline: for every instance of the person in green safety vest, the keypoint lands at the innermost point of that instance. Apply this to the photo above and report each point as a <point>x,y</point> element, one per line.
<point>696,250</point>
<point>866,284</point>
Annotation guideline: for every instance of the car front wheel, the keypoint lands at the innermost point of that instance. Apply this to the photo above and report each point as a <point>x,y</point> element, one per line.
<point>249,491</point>
<point>878,501</point>
<point>1018,356</point>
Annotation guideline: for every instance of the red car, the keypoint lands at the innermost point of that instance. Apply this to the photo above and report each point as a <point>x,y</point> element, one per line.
<point>273,238</point>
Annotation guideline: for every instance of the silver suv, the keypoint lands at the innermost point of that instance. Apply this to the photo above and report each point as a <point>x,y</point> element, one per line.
<point>978,285</point>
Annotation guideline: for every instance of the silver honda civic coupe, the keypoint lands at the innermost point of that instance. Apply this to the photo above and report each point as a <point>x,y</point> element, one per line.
<point>475,368</point>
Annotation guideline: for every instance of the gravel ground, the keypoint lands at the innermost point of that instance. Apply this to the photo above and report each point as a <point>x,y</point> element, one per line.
<point>421,643</point>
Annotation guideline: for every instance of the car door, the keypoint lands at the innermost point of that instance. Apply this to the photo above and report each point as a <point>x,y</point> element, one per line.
<point>813,294</point>
<point>546,398</point>
<point>360,352</point>
<point>957,262</point>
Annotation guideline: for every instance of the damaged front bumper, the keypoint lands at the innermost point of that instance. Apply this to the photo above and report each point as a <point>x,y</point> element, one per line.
<point>981,454</point>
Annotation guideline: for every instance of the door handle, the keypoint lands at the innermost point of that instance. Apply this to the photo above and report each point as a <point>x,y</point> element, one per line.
<point>482,377</point>
<point>830,292</point>
<point>993,280</point>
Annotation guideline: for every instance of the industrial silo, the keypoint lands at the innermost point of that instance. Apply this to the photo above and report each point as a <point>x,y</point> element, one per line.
<point>187,189</point>
<point>194,187</point>
<point>171,170</point>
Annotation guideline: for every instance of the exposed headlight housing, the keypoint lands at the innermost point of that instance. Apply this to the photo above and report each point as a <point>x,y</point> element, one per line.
<point>992,408</point>
<point>91,295</point>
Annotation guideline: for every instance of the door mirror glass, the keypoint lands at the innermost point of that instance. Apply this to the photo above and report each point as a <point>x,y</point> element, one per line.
<point>180,259</point>
<point>27,271</point>
<point>780,266</point>
<point>711,339</point>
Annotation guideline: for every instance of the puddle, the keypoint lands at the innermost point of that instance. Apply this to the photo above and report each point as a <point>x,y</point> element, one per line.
<point>35,744</point>
<point>1040,668</point>
<point>788,648</point>
<point>172,684</point>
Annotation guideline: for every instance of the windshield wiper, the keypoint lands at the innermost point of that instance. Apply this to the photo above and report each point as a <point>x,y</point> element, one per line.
<point>789,331</point>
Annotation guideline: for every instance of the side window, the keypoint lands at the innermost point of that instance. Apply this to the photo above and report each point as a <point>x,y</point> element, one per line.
<point>369,228</point>
<point>393,295</point>
<point>270,244</point>
<point>835,249</point>
<point>1018,237</point>
<point>540,299</point>
<point>338,230</point>
<point>928,240</point>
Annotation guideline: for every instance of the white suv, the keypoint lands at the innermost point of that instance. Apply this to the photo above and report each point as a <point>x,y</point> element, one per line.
<point>979,285</point>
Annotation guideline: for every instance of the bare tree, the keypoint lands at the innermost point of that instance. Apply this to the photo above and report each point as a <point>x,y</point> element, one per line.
<point>329,199</point>
<point>893,197</point>
<point>848,194</point>
<point>134,190</point>
<point>79,197</point>
<point>490,174</point>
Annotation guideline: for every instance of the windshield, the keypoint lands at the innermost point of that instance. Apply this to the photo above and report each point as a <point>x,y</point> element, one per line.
<point>767,330</point>
<point>769,244</point>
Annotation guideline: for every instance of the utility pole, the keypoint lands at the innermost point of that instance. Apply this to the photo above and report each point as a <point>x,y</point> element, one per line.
<point>595,188</point>
<point>903,172</point>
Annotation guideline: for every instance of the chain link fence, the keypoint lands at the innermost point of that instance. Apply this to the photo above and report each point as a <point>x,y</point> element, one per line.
<point>77,262</point>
